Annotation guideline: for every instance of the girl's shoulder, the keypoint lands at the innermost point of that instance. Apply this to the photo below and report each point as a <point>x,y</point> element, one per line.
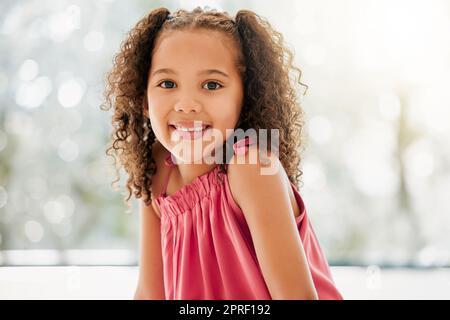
<point>253,175</point>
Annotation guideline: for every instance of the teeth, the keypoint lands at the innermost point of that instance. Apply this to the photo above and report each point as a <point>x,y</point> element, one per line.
<point>190,129</point>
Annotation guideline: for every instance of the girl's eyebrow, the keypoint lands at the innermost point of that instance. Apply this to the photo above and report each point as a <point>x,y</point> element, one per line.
<point>204,72</point>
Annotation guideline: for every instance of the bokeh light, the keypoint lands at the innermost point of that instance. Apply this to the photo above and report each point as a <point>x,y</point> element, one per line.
<point>32,94</point>
<point>28,70</point>
<point>70,93</point>
<point>34,231</point>
<point>68,150</point>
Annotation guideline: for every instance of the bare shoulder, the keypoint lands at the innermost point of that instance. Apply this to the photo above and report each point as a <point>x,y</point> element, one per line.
<point>250,175</point>
<point>250,171</point>
<point>256,178</point>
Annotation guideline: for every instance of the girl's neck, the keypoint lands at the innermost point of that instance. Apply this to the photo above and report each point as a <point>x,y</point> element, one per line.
<point>187,172</point>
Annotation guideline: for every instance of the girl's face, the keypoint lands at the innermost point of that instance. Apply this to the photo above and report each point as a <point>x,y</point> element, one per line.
<point>194,78</point>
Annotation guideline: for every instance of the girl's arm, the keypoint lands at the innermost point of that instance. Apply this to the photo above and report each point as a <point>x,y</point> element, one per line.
<point>150,283</point>
<point>151,278</point>
<point>265,203</point>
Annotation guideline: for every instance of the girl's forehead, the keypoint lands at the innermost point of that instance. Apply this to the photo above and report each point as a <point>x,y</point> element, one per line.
<point>194,47</point>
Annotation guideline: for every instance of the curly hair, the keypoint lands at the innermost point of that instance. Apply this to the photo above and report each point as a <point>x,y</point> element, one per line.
<point>270,100</point>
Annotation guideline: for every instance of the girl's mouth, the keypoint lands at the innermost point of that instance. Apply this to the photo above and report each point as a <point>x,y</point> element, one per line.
<point>190,133</point>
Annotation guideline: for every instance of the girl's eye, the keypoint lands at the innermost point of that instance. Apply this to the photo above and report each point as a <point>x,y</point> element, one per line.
<point>214,83</point>
<point>209,87</point>
<point>165,82</point>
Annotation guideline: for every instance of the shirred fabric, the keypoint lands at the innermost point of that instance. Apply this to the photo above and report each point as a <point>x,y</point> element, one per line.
<point>208,252</point>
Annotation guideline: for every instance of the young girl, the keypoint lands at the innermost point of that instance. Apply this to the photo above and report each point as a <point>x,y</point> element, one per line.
<point>220,230</point>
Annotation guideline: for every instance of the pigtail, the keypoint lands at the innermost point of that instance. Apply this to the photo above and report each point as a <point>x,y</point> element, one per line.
<point>126,93</point>
<point>145,37</point>
<point>268,64</point>
<point>262,65</point>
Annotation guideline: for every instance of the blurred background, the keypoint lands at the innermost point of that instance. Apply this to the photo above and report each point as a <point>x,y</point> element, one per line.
<point>376,165</point>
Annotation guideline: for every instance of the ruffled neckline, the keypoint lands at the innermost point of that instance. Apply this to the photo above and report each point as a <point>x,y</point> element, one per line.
<point>185,198</point>
<point>190,194</point>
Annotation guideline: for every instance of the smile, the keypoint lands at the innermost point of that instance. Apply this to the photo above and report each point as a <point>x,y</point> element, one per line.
<point>190,133</point>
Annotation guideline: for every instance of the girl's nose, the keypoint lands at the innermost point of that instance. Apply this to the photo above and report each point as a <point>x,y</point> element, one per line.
<point>188,107</point>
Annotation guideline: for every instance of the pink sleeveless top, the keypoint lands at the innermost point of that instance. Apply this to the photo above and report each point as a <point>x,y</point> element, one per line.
<point>207,249</point>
